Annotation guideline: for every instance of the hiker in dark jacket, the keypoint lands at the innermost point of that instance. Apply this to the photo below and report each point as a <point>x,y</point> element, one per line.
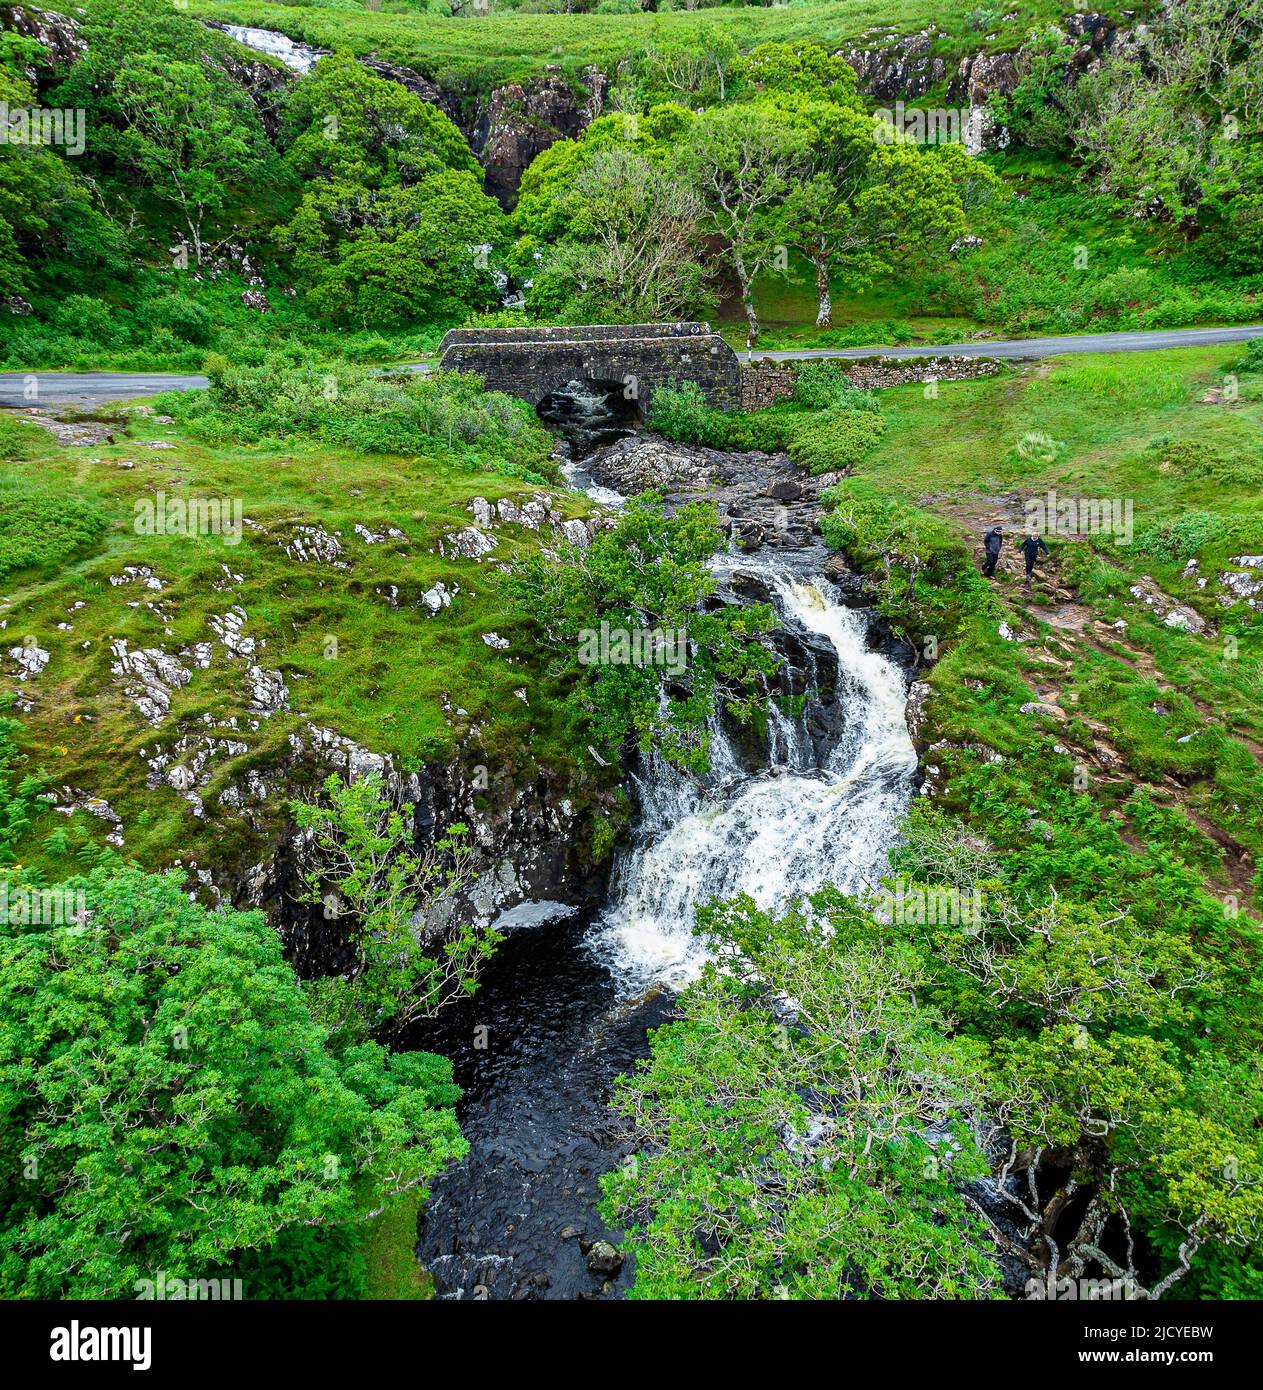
<point>991,543</point>
<point>1031,547</point>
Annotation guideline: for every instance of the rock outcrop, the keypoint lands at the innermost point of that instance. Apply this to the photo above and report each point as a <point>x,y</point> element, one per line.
<point>57,32</point>
<point>762,499</point>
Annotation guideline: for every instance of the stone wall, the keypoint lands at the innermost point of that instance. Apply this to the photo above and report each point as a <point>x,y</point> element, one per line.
<point>531,363</point>
<point>765,382</point>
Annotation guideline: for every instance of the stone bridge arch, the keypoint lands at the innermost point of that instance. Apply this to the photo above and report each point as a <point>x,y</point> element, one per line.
<point>532,363</point>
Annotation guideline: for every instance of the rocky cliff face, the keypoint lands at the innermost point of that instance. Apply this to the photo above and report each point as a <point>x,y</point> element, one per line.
<point>529,839</point>
<point>514,124</point>
<point>889,67</point>
<point>57,32</point>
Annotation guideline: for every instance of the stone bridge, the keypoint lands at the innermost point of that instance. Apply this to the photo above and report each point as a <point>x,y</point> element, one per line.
<point>533,363</point>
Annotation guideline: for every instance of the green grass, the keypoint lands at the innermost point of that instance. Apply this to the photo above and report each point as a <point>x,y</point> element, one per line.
<point>388,1247</point>
<point>500,48</point>
<point>394,679</point>
<point>1110,419</point>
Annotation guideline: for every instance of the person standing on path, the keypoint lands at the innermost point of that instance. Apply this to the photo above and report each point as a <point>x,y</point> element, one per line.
<point>1030,548</point>
<point>991,543</point>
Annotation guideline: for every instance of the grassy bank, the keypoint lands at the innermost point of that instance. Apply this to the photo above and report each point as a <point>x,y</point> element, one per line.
<point>338,613</point>
<point>1144,712</point>
<point>487,51</point>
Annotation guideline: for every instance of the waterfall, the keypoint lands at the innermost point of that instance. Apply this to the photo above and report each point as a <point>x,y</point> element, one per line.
<point>811,816</point>
<point>294,55</point>
<point>568,1000</point>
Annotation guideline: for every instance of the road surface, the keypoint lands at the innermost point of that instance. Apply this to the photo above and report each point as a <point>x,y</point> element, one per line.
<point>87,389</point>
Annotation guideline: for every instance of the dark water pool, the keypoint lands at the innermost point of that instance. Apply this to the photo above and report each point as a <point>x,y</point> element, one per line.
<point>554,1034</point>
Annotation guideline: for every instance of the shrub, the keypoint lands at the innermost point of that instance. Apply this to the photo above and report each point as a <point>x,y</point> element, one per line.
<point>365,409</point>
<point>1181,537</point>
<point>84,317</point>
<point>680,413</point>
<point>183,318</point>
<point>825,386</point>
<point>837,440</point>
<point>1252,359</point>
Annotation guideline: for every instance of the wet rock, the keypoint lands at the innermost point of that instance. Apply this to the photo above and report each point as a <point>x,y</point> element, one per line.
<point>785,490</point>
<point>603,1258</point>
<point>519,121</point>
<point>762,499</point>
<point>914,710</point>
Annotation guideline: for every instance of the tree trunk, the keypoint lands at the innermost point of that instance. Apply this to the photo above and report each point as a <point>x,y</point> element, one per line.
<point>747,298</point>
<point>824,314</point>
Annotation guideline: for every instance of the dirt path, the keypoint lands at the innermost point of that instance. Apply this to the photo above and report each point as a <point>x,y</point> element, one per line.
<point>1074,628</point>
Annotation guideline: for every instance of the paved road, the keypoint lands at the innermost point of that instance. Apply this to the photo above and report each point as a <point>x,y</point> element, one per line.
<point>1044,347</point>
<point>85,389</point>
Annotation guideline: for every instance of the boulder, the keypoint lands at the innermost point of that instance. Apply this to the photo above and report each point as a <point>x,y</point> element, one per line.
<point>603,1258</point>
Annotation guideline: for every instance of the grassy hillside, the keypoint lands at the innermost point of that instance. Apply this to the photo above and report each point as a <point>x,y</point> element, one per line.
<point>349,632</point>
<point>507,47</point>
<point>1150,710</point>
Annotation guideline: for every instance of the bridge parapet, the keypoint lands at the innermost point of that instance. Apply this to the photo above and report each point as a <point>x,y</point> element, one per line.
<point>532,362</point>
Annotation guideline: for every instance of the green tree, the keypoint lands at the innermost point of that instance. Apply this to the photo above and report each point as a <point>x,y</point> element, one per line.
<point>393,226</point>
<point>409,958</point>
<point>632,240</point>
<point>344,122</point>
<point>865,203</point>
<point>399,254</point>
<point>804,1129</point>
<point>169,1103</point>
<point>743,161</point>
<point>188,148</point>
<point>647,579</point>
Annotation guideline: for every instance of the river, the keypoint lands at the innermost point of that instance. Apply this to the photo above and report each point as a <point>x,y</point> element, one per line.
<point>566,1004</point>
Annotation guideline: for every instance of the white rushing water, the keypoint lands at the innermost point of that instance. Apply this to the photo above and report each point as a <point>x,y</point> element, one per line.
<point>293,55</point>
<point>811,817</point>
